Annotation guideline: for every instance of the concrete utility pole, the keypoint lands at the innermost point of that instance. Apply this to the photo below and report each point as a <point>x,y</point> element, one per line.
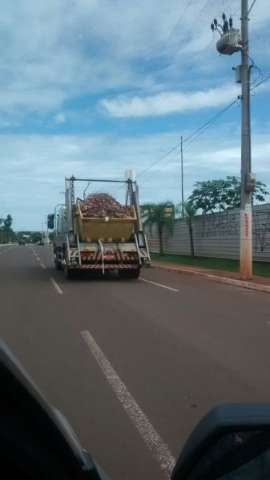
<point>246,180</point>
<point>231,42</point>
<point>182,178</point>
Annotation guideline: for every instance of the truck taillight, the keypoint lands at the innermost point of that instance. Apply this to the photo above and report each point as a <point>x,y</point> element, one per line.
<point>87,256</point>
<point>129,255</point>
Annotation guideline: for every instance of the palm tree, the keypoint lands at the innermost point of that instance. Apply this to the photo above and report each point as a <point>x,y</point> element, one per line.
<point>160,214</point>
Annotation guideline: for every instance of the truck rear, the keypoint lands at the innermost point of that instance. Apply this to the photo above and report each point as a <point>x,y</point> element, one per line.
<point>98,234</point>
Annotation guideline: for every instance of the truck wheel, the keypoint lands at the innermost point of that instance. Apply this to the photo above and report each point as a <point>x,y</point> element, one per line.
<point>129,274</point>
<point>69,273</point>
<point>57,265</point>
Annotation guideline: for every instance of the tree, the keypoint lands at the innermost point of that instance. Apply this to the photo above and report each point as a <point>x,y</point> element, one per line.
<point>160,214</point>
<point>35,237</point>
<point>7,233</point>
<point>30,236</point>
<point>219,195</point>
<point>8,222</point>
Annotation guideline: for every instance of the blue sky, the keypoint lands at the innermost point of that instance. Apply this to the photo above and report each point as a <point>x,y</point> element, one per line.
<point>95,87</point>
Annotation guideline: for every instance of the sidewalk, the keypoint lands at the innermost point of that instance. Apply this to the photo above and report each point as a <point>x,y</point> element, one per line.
<point>261,284</point>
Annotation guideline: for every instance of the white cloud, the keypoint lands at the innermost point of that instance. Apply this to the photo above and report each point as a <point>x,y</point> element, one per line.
<point>143,58</point>
<point>32,180</point>
<point>56,50</point>
<point>31,100</point>
<point>60,118</point>
<point>169,102</point>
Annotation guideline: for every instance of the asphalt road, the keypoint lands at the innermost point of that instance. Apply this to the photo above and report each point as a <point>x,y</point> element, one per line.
<point>133,364</point>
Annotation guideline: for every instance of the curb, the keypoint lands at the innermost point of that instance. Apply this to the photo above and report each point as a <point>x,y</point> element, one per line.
<point>216,278</point>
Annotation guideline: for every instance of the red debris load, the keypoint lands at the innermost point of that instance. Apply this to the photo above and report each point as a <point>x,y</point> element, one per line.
<point>103,205</point>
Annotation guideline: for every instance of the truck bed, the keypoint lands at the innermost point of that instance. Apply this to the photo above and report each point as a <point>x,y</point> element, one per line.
<point>107,229</point>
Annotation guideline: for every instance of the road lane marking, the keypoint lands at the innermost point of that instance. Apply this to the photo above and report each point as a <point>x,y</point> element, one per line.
<point>38,259</point>
<point>159,285</point>
<point>56,286</point>
<point>5,251</point>
<point>154,442</point>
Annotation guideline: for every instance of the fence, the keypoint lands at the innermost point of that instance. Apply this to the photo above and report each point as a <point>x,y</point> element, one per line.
<point>216,235</point>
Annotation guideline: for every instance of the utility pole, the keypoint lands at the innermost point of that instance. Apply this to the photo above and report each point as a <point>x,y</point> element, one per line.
<point>231,41</point>
<point>182,179</point>
<point>246,180</point>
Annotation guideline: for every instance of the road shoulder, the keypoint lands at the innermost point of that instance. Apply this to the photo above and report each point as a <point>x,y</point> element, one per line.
<point>259,284</point>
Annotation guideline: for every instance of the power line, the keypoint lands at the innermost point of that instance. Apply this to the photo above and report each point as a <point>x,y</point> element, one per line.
<point>159,160</point>
<point>207,124</point>
<point>164,43</point>
<point>180,22</point>
<point>201,130</point>
<point>263,80</point>
<point>235,12</point>
<point>251,6</point>
<point>180,19</point>
<point>259,70</point>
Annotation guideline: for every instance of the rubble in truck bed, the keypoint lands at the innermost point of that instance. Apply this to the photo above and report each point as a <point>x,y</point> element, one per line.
<point>103,205</point>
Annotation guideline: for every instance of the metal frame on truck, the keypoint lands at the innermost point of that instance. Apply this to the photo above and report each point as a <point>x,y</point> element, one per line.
<point>75,250</point>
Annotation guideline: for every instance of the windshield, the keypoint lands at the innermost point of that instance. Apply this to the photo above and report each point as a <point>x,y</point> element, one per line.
<point>135,215</point>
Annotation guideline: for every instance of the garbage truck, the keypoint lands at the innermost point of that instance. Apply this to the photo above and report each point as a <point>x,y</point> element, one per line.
<point>97,233</point>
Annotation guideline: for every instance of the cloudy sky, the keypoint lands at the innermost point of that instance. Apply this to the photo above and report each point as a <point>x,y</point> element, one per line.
<point>95,87</point>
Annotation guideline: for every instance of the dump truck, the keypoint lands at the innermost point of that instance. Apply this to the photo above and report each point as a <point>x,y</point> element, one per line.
<point>92,239</point>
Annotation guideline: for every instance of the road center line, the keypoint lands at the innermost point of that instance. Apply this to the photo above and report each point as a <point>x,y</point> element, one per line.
<point>154,442</point>
<point>56,286</point>
<point>159,285</point>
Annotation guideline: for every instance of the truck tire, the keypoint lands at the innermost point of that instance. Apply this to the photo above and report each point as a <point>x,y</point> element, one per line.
<point>69,273</point>
<point>129,274</point>
<point>57,265</point>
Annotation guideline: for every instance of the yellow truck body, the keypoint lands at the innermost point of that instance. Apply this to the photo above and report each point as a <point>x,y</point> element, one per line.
<point>106,229</point>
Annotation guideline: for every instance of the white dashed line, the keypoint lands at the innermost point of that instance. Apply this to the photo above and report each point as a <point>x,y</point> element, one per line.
<point>56,286</point>
<point>154,442</point>
<point>159,285</point>
<point>42,266</point>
